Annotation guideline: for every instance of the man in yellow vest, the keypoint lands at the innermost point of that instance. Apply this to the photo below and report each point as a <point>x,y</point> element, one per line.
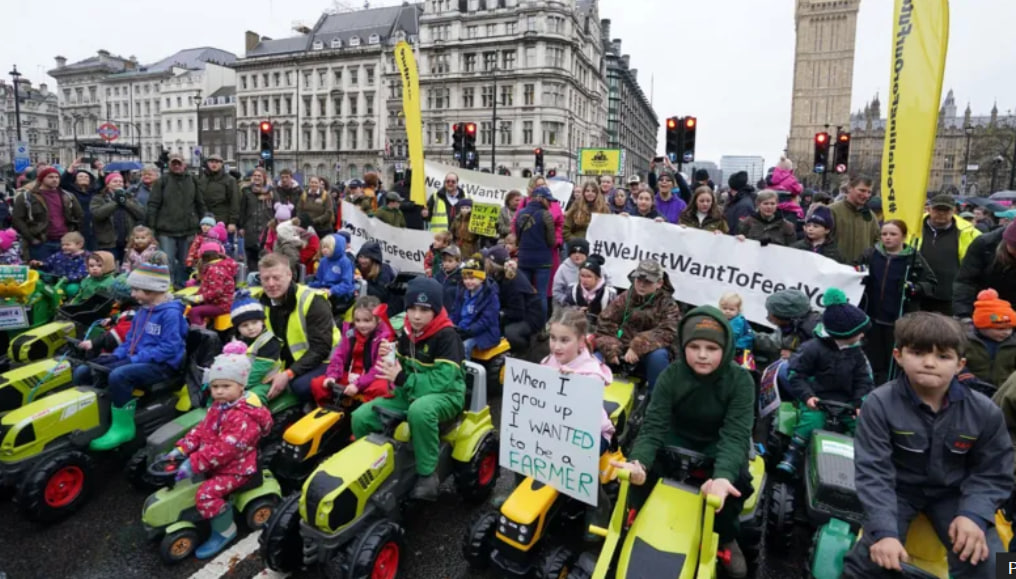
<point>440,209</point>
<point>943,241</point>
<point>302,318</point>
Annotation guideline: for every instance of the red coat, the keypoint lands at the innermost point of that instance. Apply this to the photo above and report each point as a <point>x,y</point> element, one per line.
<point>308,255</point>
<point>225,442</point>
<point>218,283</point>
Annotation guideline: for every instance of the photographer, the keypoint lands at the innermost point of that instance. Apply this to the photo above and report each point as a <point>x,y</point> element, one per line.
<point>115,212</point>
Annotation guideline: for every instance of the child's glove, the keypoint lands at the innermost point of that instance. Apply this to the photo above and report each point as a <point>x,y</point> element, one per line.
<point>185,470</point>
<point>174,454</point>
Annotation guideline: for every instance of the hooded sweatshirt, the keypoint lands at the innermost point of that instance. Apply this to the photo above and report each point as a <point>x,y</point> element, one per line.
<point>431,361</point>
<point>670,209</point>
<point>342,357</point>
<point>585,364</point>
<point>711,414</point>
<point>93,285</point>
<point>158,335</point>
<point>335,272</point>
<point>477,314</point>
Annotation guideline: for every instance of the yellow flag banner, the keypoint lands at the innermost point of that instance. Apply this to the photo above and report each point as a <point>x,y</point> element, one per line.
<point>919,44</point>
<point>406,63</point>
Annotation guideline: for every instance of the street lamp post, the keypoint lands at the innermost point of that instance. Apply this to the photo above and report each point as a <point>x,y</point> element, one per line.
<point>969,130</point>
<point>17,98</point>
<point>197,114</point>
<point>1012,170</point>
<point>493,125</point>
<point>995,164</point>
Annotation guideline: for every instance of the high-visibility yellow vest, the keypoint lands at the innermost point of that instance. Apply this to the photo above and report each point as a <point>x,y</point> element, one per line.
<point>439,218</point>
<point>296,327</point>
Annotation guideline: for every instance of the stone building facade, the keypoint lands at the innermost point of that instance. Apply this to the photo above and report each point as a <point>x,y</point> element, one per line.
<point>632,124</point>
<point>40,122</point>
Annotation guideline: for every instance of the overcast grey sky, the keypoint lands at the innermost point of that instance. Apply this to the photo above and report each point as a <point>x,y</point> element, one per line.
<point>729,62</point>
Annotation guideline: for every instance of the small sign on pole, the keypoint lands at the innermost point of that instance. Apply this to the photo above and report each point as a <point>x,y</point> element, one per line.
<point>483,219</point>
<point>108,132</point>
<point>550,428</point>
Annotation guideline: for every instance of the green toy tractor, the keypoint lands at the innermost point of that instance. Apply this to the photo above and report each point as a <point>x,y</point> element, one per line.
<point>25,303</point>
<point>346,519</point>
<point>538,531</point>
<point>44,452</point>
<point>672,534</point>
<point>170,513</point>
<point>309,440</point>
<point>826,487</point>
<point>71,321</point>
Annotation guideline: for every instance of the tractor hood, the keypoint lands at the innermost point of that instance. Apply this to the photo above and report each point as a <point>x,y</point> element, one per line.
<point>337,492</point>
<point>27,430</point>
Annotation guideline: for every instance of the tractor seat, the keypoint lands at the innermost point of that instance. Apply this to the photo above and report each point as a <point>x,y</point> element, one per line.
<point>222,323</point>
<point>488,354</point>
<point>256,480</point>
<point>202,347</point>
<point>610,406</point>
<point>448,426</point>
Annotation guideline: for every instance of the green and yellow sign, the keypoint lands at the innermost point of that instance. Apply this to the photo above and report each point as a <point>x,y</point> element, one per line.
<point>483,219</point>
<point>598,162</point>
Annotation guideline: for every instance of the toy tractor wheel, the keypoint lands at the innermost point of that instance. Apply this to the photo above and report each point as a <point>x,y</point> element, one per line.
<point>137,472</point>
<point>280,540</point>
<point>780,526</point>
<point>775,445</point>
<point>584,567</point>
<point>180,545</point>
<point>476,479</point>
<point>556,563</point>
<point>479,540</point>
<point>56,487</point>
<point>258,511</point>
<point>378,552</point>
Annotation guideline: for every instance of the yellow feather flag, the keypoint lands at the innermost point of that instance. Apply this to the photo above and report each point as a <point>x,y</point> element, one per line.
<point>406,63</point>
<point>919,44</point>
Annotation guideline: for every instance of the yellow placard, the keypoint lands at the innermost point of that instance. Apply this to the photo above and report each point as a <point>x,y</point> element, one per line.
<point>600,161</point>
<point>917,63</point>
<point>483,219</point>
<point>406,63</point>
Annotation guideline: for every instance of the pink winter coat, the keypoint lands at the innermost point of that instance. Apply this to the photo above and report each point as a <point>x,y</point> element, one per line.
<point>791,208</point>
<point>588,365</point>
<point>225,442</point>
<point>784,180</point>
<point>340,357</point>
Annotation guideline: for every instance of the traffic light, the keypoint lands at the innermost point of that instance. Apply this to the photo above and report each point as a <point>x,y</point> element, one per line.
<point>538,164</point>
<point>469,146</point>
<point>821,152</point>
<point>689,126</point>
<point>163,161</point>
<point>552,173</point>
<point>842,149</point>
<point>673,139</point>
<point>457,133</point>
<point>267,145</point>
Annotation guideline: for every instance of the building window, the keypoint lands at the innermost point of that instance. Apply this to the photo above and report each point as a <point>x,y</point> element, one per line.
<point>485,133</point>
<point>369,100</point>
<point>370,75</point>
<point>307,112</point>
<point>277,105</point>
<point>555,56</point>
<point>289,78</point>
<point>506,133</point>
<point>487,96</point>
<point>305,141</point>
<point>352,104</point>
<point>289,105</point>
<point>338,139</point>
<point>352,138</point>
<point>254,80</point>
<point>950,162</point>
<point>467,97</point>
<point>190,124</point>
<point>508,60</point>
<point>179,125</point>
<point>354,41</point>
<point>373,39</point>
<point>471,32</point>
<point>322,78</point>
<point>489,61</point>
<point>553,95</point>
<point>179,102</point>
<point>322,139</point>
<point>336,42</point>
<point>264,80</point>
<point>437,99</point>
<point>276,79</point>
<point>469,62</point>
<point>354,73</point>
<point>439,64</point>
<point>243,81</point>
<point>527,132</point>
<point>229,123</point>
<point>337,105</point>
<point>530,61</point>
<point>552,133</point>
<point>529,95</point>
<point>368,137</point>
<point>306,79</point>
<point>337,73</point>
<point>511,27</point>
<point>508,96</point>
<point>492,30</point>
<point>555,24</point>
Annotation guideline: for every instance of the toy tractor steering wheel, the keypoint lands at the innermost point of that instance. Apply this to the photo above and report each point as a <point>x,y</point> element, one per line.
<point>914,572</point>
<point>390,419</point>
<point>683,464</point>
<point>163,470</point>
<point>838,413</point>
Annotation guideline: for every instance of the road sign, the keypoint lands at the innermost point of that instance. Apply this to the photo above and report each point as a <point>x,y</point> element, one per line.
<point>196,157</point>
<point>108,132</point>
<point>22,158</point>
<point>597,162</point>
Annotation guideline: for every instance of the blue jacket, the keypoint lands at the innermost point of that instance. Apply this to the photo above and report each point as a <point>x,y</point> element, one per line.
<point>743,335</point>
<point>534,228</point>
<point>335,272</point>
<point>477,315</point>
<point>163,336</point>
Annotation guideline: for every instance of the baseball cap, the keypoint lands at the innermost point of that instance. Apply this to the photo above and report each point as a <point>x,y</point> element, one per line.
<point>648,270</point>
<point>943,200</point>
<point>634,180</point>
<point>452,250</point>
<point>215,157</point>
<point>498,254</point>
<point>176,157</point>
<point>354,183</point>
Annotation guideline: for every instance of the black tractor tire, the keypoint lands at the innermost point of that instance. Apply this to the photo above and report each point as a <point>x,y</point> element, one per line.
<point>478,543</point>
<point>377,550</point>
<point>476,479</point>
<point>137,472</point>
<point>780,526</point>
<point>56,487</point>
<point>179,545</point>
<point>584,567</point>
<point>257,512</point>
<point>494,367</point>
<point>280,541</point>
<point>555,563</point>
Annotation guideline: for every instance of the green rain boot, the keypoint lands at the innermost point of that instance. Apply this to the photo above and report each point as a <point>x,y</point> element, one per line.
<point>223,533</point>
<point>121,428</point>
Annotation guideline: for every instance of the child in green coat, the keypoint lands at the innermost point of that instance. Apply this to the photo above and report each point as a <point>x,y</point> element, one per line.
<point>704,402</point>
<point>101,266</point>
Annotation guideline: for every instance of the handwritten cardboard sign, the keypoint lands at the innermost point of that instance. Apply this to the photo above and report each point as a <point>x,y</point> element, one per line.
<point>550,428</point>
<point>483,219</point>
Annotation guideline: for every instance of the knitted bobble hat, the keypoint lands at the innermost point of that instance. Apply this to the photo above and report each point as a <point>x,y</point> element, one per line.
<point>841,319</point>
<point>233,365</point>
<point>991,312</point>
<point>151,277</point>
<point>246,309</point>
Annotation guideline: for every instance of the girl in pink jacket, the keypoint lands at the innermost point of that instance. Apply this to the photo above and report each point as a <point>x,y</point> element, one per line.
<point>569,354</point>
<point>353,369</point>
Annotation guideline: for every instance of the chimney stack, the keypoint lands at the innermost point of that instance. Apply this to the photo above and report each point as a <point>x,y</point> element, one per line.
<point>251,40</point>
<point>61,62</point>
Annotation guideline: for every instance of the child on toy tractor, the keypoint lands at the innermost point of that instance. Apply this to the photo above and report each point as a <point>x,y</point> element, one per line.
<point>335,274</point>
<point>790,311</point>
<point>355,365</point>
<point>101,275</point>
<point>263,347</point>
<point>429,384</point>
<point>704,402</point>
<point>153,351</point>
<point>476,309</point>
<point>224,446</point>
<point>830,366</point>
<point>641,323</point>
<point>927,444</point>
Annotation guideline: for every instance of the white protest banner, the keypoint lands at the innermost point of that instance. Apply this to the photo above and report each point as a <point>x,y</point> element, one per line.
<point>703,265</point>
<point>550,428</point>
<point>403,249</point>
<point>485,187</point>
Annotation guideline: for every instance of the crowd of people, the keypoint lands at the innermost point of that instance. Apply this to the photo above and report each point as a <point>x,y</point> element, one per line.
<point>936,316</point>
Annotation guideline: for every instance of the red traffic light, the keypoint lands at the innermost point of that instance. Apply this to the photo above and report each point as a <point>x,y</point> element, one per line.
<point>689,122</point>
<point>471,128</point>
<point>820,138</point>
<point>671,123</point>
<point>266,127</point>
<point>537,150</point>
